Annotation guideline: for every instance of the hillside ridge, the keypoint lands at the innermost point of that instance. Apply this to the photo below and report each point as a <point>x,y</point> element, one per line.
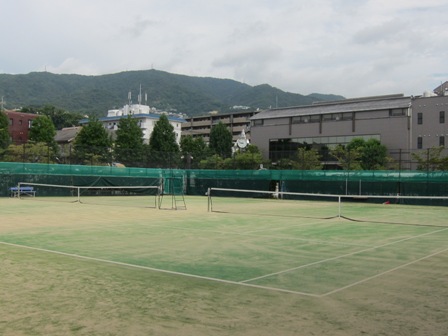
<point>192,96</point>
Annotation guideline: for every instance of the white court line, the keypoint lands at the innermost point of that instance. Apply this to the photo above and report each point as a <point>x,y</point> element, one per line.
<point>161,270</point>
<point>383,273</point>
<point>341,256</point>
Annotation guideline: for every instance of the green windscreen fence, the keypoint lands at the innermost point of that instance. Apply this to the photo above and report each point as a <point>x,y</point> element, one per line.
<point>197,182</point>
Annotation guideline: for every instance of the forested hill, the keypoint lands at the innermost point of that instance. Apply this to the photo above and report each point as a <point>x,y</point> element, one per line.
<point>94,95</point>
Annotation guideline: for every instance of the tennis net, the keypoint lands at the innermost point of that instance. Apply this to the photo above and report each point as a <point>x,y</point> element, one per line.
<point>146,196</point>
<point>393,209</point>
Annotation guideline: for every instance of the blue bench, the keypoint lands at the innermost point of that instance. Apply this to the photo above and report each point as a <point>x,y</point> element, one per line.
<point>23,190</point>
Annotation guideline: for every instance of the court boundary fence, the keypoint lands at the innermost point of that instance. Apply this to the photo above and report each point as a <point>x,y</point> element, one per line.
<point>198,181</point>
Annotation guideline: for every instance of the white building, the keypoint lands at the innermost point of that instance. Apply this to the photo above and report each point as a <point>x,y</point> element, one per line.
<point>146,118</point>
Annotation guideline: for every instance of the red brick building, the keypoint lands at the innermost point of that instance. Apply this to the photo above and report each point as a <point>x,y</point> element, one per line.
<point>19,125</point>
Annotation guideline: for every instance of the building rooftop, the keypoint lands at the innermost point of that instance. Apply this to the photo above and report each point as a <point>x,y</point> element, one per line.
<point>141,115</point>
<point>348,105</point>
<point>67,135</point>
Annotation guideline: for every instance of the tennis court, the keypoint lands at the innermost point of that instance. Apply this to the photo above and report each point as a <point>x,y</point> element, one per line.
<point>290,259</point>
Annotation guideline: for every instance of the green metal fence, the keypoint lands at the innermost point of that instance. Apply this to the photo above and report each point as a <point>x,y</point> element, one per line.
<point>409,183</point>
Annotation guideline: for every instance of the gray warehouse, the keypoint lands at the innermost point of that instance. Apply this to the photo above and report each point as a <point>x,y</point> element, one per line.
<point>402,123</point>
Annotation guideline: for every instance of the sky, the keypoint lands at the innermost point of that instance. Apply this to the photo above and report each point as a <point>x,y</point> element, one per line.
<point>353,48</point>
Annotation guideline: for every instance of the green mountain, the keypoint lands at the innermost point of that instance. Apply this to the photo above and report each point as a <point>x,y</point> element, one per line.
<point>94,95</point>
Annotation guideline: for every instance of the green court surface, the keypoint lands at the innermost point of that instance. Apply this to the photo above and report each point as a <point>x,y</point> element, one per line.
<point>286,260</point>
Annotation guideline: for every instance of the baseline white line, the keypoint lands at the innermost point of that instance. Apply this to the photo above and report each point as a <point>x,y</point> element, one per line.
<point>161,270</point>
<point>383,273</point>
<point>341,256</point>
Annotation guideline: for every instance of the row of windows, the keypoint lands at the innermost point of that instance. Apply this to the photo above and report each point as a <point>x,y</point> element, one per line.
<point>420,141</point>
<point>330,117</point>
<point>441,117</point>
<point>20,122</point>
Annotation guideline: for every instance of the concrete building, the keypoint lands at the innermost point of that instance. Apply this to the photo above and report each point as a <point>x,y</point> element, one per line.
<point>430,121</point>
<point>146,118</point>
<point>19,125</point>
<point>402,124</point>
<point>202,125</point>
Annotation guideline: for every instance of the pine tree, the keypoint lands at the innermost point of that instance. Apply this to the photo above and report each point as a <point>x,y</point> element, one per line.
<point>129,145</point>
<point>163,138</point>
<point>163,148</point>
<point>221,140</point>
<point>92,144</point>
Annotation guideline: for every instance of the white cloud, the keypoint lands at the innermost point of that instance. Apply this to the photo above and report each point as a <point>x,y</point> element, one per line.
<point>348,47</point>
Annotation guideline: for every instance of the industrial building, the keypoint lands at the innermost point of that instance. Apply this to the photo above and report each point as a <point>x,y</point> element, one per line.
<point>404,124</point>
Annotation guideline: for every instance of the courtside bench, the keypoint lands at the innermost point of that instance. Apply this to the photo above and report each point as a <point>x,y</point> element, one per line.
<point>22,191</point>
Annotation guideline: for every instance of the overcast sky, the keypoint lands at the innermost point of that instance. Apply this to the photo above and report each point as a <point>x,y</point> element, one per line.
<point>352,48</point>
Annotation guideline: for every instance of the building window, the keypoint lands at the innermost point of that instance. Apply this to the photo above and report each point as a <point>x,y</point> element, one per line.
<point>337,116</point>
<point>397,112</point>
<point>347,116</point>
<point>30,123</point>
<point>306,119</point>
<point>442,117</point>
<point>11,122</point>
<point>442,141</point>
<point>258,122</point>
<point>420,118</point>
<point>20,122</point>
<point>419,142</point>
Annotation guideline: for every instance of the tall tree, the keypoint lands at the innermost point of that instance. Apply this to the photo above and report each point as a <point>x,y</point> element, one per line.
<point>4,134</point>
<point>163,148</point>
<point>221,140</point>
<point>129,147</point>
<point>163,138</point>
<point>92,144</point>
<point>42,130</point>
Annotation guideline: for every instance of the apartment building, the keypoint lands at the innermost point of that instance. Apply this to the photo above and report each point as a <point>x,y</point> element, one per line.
<point>201,126</point>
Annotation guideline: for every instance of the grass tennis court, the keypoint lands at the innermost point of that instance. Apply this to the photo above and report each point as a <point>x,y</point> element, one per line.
<point>126,268</point>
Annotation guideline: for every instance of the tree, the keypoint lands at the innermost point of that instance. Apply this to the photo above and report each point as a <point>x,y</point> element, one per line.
<point>30,152</point>
<point>193,150</point>
<point>163,138</point>
<point>212,162</point>
<point>349,159</point>
<point>221,140</point>
<point>4,133</point>
<point>250,158</point>
<point>92,144</point>
<point>60,118</point>
<point>129,142</point>
<point>431,159</point>
<point>373,155</point>
<point>42,130</point>
<point>163,148</point>
<point>308,159</point>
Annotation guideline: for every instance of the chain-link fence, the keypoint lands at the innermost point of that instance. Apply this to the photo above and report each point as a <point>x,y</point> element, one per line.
<point>433,159</point>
